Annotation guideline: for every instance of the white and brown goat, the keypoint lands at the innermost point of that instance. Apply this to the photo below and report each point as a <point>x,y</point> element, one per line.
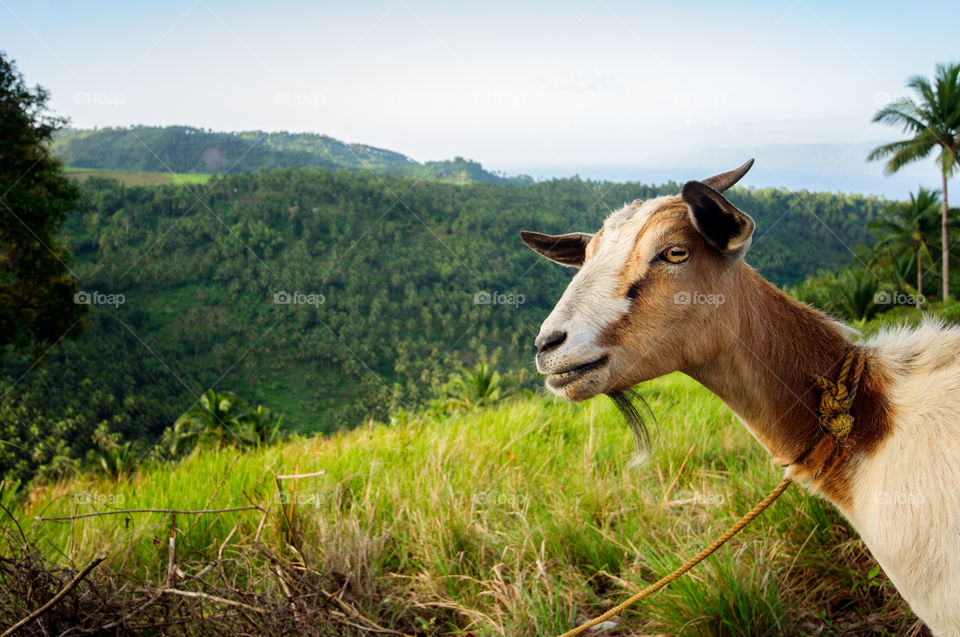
<point>663,286</point>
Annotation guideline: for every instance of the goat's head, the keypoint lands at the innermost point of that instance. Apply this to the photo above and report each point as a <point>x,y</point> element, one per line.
<point>651,283</point>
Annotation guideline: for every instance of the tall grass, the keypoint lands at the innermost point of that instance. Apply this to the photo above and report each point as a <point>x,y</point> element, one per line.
<point>522,518</point>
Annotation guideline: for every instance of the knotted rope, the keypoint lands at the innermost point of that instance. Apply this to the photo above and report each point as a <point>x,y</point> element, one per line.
<point>837,397</point>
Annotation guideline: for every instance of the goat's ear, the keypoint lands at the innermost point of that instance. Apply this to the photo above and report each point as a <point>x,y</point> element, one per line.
<point>566,249</point>
<point>726,228</point>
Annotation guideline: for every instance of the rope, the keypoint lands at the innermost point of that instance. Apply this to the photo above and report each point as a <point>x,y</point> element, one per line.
<point>837,397</point>
<point>702,555</point>
<point>835,404</point>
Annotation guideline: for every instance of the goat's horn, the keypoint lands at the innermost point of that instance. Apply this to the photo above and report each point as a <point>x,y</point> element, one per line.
<point>724,180</point>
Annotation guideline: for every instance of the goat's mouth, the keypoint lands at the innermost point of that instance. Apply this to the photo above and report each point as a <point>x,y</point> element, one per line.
<point>563,378</point>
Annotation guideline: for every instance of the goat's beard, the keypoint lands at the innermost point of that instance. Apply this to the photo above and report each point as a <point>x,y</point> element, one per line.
<point>628,404</point>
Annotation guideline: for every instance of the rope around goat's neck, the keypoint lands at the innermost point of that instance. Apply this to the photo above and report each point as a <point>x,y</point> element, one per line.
<point>835,404</point>
<point>837,397</point>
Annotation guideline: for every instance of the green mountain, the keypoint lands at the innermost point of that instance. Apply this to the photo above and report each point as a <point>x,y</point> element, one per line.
<point>182,149</point>
<point>329,296</point>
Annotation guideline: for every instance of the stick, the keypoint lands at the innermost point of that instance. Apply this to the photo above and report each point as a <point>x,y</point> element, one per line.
<point>56,598</point>
<point>297,476</point>
<point>172,549</point>
<point>212,598</point>
<point>168,511</point>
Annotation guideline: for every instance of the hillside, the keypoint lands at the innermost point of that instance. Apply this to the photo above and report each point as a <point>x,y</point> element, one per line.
<point>519,519</point>
<point>182,149</point>
<point>386,296</point>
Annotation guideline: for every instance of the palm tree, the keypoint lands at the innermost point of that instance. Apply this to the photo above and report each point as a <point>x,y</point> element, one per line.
<point>217,416</point>
<point>854,291</point>
<point>261,427</point>
<point>473,386</point>
<point>934,120</point>
<point>909,228</point>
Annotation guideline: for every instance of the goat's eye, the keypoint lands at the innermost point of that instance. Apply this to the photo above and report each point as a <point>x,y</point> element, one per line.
<point>675,254</point>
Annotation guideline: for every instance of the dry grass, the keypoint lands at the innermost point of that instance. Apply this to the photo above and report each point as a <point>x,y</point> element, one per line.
<point>521,519</point>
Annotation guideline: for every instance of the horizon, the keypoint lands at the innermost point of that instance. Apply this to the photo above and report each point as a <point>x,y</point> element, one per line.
<point>602,89</point>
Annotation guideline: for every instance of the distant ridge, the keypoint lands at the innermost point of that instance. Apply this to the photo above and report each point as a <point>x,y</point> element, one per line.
<point>183,149</point>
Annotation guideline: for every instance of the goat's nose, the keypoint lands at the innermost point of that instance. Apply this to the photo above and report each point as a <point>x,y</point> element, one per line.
<point>546,342</point>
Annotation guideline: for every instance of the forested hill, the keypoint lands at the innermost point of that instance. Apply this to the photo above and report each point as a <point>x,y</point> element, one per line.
<point>181,149</point>
<point>328,296</point>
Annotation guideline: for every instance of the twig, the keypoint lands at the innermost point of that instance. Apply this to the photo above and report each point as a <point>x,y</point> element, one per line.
<point>212,598</point>
<point>168,511</point>
<point>377,628</point>
<point>297,476</point>
<point>287,593</point>
<point>227,541</point>
<point>15,521</point>
<point>172,549</point>
<point>56,598</point>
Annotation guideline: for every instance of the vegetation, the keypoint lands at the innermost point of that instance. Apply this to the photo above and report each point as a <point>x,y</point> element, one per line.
<point>223,418</point>
<point>391,295</point>
<point>933,118</point>
<point>908,231</point>
<point>134,178</point>
<point>182,149</point>
<point>341,284</point>
<point>891,272</point>
<point>37,286</point>
<point>519,518</point>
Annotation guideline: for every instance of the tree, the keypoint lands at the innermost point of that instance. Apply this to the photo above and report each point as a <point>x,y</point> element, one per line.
<point>216,416</point>
<point>909,228</point>
<point>472,387</point>
<point>226,419</point>
<point>934,121</point>
<point>36,287</point>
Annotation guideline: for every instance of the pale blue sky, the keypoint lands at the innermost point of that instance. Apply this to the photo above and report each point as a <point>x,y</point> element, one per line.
<point>558,87</point>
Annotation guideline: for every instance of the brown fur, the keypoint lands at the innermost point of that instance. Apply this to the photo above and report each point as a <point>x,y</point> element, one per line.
<point>757,350</point>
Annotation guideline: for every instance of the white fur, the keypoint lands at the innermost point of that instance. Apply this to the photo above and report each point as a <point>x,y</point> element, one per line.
<point>905,498</point>
<point>590,302</point>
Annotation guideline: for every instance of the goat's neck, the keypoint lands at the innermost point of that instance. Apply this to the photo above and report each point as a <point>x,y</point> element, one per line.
<point>772,346</point>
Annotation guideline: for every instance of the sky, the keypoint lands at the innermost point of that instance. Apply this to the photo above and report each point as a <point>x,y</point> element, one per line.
<point>646,91</point>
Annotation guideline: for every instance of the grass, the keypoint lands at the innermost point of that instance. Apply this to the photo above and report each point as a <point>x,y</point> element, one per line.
<point>523,518</point>
<point>135,178</point>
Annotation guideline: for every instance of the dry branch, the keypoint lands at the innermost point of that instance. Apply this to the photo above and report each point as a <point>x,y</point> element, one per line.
<point>68,518</point>
<point>298,476</point>
<point>56,598</point>
<point>212,598</point>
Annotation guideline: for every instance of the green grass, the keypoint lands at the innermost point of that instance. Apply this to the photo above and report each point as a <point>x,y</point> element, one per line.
<point>520,519</point>
<point>135,178</point>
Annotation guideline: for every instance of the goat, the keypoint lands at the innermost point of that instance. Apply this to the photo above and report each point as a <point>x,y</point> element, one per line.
<point>663,286</point>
